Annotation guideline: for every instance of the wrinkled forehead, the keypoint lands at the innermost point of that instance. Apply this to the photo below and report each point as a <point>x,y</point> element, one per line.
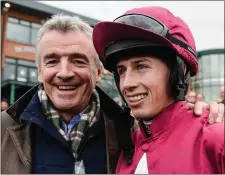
<point>66,42</point>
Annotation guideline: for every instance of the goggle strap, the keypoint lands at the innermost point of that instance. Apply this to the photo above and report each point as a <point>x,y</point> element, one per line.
<point>180,43</point>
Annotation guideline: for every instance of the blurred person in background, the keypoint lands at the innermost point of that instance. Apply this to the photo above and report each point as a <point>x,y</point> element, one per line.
<point>200,97</point>
<point>4,104</point>
<point>152,54</point>
<point>191,97</point>
<point>222,93</point>
<point>222,99</point>
<point>107,84</point>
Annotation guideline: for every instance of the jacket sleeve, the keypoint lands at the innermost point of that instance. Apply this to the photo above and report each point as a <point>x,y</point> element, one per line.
<point>214,145</point>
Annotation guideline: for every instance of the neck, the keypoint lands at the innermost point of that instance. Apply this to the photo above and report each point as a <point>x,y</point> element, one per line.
<point>167,103</point>
<point>68,114</point>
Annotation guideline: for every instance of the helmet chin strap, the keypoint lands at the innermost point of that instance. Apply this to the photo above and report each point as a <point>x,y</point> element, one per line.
<point>183,79</point>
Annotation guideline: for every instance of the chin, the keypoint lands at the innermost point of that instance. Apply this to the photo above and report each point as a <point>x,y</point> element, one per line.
<point>64,106</point>
<point>138,114</point>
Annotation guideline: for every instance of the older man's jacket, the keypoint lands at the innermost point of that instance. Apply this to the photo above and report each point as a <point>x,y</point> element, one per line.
<point>31,144</point>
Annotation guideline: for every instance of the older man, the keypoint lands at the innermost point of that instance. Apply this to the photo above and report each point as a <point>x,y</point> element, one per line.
<point>65,124</point>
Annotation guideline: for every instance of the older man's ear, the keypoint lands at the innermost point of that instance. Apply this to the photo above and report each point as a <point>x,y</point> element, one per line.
<point>99,72</point>
<point>216,110</point>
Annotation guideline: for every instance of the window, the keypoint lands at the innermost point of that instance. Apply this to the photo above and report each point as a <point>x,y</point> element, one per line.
<point>205,67</point>
<point>207,93</point>
<point>33,75</point>
<point>22,73</point>
<point>22,31</point>
<point>34,32</point>
<point>210,77</point>
<point>26,63</point>
<point>215,92</point>
<point>20,70</point>
<point>10,60</point>
<point>221,65</point>
<point>9,72</point>
<point>214,65</point>
<point>16,32</point>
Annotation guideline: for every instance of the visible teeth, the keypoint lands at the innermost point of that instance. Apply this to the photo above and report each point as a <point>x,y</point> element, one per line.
<point>137,97</point>
<point>66,87</point>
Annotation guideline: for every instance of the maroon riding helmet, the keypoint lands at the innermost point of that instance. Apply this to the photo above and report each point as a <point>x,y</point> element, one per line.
<point>155,24</point>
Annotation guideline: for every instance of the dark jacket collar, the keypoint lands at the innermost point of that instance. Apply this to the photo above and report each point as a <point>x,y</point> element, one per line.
<point>110,107</point>
<point>123,124</point>
<point>25,106</point>
<point>17,109</point>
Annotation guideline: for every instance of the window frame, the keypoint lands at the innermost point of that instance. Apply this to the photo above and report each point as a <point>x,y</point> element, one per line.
<point>30,26</point>
<point>201,83</point>
<point>17,64</point>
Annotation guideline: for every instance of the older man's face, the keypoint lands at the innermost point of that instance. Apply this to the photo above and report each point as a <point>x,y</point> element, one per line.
<point>68,69</point>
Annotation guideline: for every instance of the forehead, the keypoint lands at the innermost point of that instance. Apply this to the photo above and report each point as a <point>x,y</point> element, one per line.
<point>4,102</point>
<point>66,42</point>
<point>151,60</point>
<point>135,59</point>
<point>192,94</point>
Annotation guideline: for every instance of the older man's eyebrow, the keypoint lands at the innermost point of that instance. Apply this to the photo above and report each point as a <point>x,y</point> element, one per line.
<point>51,55</point>
<point>79,55</point>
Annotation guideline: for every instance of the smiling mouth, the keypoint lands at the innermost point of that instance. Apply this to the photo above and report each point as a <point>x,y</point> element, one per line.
<point>66,88</point>
<point>137,98</point>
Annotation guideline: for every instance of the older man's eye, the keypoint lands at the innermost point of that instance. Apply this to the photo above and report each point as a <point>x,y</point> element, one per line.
<point>78,62</point>
<point>51,62</point>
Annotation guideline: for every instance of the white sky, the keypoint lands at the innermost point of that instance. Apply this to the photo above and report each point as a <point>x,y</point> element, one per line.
<point>205,18</point>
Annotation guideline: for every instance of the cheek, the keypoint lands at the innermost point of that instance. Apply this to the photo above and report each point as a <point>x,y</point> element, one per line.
<point>87,75</point>
<point>162,85</point>
<point>157,85</point>
<point>47,75</point>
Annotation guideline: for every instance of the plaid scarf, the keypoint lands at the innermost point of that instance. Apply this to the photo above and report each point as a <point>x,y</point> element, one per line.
<point>88,118</point>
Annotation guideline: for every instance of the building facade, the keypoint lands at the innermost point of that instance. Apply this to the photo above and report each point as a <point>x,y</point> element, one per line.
<point>20,22</point>
<point>211,74</point>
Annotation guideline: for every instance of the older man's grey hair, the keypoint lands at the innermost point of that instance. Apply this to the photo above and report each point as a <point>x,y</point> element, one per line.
<point>63,23</point>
